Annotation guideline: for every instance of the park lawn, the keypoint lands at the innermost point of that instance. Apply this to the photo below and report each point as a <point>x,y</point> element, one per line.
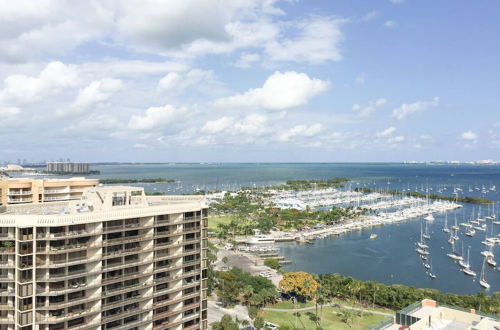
<point>349,303</point>
<point>214,221</point>
<point>287,304</point>
<point>329,319</point>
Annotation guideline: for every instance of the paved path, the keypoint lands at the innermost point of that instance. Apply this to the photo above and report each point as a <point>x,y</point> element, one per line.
<point>333,305</point>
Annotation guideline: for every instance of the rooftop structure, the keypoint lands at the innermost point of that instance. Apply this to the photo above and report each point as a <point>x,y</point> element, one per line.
<point>114,259</point>
<point>30,190</point>
<point>428,314</point>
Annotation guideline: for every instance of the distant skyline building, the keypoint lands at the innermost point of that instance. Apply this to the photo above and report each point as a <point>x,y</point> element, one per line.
<point>115,259</point>
<point>68,167</point>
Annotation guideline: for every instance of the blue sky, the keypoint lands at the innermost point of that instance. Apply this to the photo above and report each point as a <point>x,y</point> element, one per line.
<point>244,81</point>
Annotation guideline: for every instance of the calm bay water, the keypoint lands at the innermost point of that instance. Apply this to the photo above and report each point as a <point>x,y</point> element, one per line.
<point>391,258</point>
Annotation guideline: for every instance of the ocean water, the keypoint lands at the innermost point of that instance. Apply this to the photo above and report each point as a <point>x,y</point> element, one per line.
<point>391,258</point>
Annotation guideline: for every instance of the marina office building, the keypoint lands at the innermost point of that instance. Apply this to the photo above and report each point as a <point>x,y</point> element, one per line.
<point>114,259</point>
<point>30,190</point>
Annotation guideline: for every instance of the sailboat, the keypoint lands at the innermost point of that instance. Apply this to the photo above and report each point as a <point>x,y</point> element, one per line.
<point>455,227</point>
<point>429,217</point>
<point>430,273</point>
<point>421,244</point>
<point>446,229</point>
<point>482,280</point>
<point>471,232</point>
<point>426,235</point>
<point>451,240</point>
<point>453,255</point>
<point>462,262</point>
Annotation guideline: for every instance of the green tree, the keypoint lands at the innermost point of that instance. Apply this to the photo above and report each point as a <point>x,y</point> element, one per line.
<point>259,322</point>
<point>272,263</point>
<point>225,323</point>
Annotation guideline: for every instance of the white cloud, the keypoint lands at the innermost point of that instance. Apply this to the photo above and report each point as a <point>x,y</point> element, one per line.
<point>22,89</point>
<point>253,124</point>
<point>97,91</point>
<point>396,139</point>
<point>217,125</point>
<point>360,79</point>
<point>406,110</point>
<point>370,16</point>
<point>155,117</point>
<point>301,130</point>
<point>469,136</point>
<point>8,111</point>
<point>280,91</point>
<point>390,24</point>
<point>366,111</point>
<point>174,81</point>
<point>317,41</point>
<point>246,60</point>
<point>397,2</point>
<point>386,132</point>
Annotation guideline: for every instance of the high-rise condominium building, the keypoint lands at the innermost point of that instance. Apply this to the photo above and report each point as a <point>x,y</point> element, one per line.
<point>29,190</point>
<point>63,167</point>
<point>115,259</point>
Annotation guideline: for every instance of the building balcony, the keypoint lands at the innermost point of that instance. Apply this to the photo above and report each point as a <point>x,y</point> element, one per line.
<point>20,200</point>
<point>64,304</point>
<point>124,277</point>
<point>6,278</point>
<point>118,303</point>
<point>124,314</point>
<point>56,191</point>
<point>123,289</point>
<point>6,307</point>
<point>131,325</point>
<point>52,319</point>
<point>126,252</point>
<point>19,193</point>
<point>118,265</point>
<point>7,320</point>
<point>130,239</point>
<point>72,287</point>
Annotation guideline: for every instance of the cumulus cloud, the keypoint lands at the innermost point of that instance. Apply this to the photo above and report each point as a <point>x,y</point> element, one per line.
<point>217,125</point>
<point>469,136</point>
<point>280,91</point>
<point>367,110</point>
<point>301,130</point>
<point>317,41</point>
<point>246,60</point>
<point>22,89</point>
<point>175,81</point>
<point>97,91</point>
<point>386,132</point>
<point>155,117</point>
<point>396,139</point>
<point>406,110</point>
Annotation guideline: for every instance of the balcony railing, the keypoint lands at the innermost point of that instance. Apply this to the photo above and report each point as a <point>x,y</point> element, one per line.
<point>19,193</point>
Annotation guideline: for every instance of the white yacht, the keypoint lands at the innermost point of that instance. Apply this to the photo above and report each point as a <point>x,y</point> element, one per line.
<point>260,239</point>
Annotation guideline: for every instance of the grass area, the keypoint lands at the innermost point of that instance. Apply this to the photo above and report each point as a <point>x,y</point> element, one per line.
<point>287,304</point>
<point>214,221</point>
<point>348,303</point>
<point>330,319</point>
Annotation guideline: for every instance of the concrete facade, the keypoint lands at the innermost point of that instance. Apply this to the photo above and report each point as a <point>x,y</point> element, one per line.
<point>115,259</point>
